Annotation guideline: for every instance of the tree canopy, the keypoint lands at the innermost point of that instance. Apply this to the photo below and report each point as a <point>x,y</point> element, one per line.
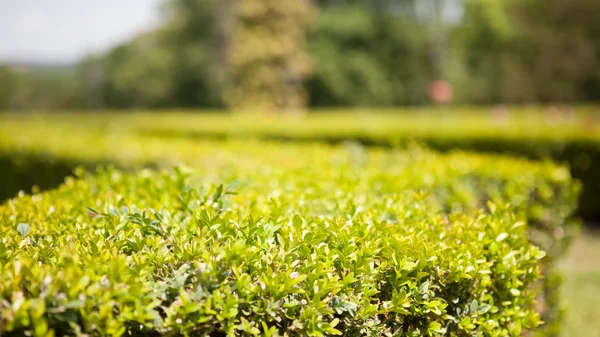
<point>284,54</point>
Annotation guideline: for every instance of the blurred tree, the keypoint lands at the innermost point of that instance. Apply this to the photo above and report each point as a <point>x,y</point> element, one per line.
<point>347,71</point>
<point>196,32</point>
<point>561,51</point>
<point>182,63</point>
<point>267,57</point>
<point>137,74</point>
<point>265,53</point>
<point>485,35</point>
<point>38,87</point>
<point>372,53</point>
<point>91,74</point>
<point>8,84</point>
<point>521,51</point>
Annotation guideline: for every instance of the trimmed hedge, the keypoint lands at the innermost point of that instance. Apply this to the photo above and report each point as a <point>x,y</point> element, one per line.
<point>316,183</point>
<point>575,143</point>
<point>528,132</point>
<point>170,254</point>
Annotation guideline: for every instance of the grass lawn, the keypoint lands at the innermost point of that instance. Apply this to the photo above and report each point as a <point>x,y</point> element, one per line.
<point>582,287</point>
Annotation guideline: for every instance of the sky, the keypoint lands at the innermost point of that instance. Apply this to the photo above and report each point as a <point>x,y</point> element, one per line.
<point>64,31</point>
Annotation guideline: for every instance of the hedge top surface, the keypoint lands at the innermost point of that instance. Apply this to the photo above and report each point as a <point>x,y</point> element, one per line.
<point>570,138</point>
<point>172,254</point>
<point>380,126</point>
<point>543,191</point>
<point>71,141</point>
<point>425,192</point>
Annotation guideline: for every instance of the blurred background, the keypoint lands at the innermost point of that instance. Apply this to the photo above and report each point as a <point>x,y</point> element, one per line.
<point>289,54</point>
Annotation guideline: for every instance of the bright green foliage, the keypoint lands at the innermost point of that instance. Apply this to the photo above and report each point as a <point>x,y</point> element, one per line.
<point>308,180</point>
<point>526,132</point>
<point>282,253</point>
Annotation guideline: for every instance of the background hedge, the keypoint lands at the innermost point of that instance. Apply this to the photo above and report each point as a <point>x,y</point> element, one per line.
<point>569,136</point>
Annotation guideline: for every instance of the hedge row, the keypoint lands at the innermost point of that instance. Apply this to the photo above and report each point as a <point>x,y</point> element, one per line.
<point>532,133</point>
<point>410,197</point>
<point>542,190</point>
<point>573,140</point>
<point>169,254</point>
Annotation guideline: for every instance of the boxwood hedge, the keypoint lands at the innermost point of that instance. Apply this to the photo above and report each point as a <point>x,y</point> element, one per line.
<point>373,198</point>
<point>172,254</point>
<point>535,133</point>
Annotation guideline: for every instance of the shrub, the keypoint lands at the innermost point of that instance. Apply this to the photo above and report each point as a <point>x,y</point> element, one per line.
<point>526,132</point>
<point>540,194</point>
<point>170,254</point>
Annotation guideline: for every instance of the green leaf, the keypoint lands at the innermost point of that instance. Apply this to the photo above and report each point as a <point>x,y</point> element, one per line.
<point>23,229</point>
<point>492,207</point>
<point>483,308</point>
<point>124,210</point>
<point>501,237</point>
<point>474,306</point>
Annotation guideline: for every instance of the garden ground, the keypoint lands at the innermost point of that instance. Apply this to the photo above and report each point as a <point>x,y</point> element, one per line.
<point>581,286</point>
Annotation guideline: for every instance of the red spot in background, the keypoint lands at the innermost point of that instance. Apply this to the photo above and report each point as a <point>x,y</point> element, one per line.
<point>441,92</point>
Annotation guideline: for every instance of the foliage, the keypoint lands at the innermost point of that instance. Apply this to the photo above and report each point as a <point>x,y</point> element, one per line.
<point>541,194</point>
<point>365,57</point>
<point>209,53</point>
<point>268,77</point>
<point>530,50</point>
<point>38,87</point>
<point>7,90</point>
<point>195,33</point>
<point>565,136</point>
<point>167,253</point>
<point>140,74</point>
